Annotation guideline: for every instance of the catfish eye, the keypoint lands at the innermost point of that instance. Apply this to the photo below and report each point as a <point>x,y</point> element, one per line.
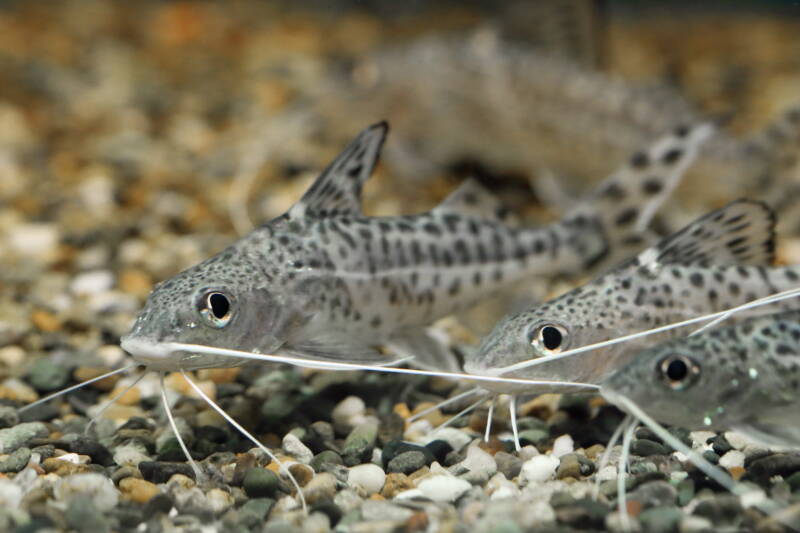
<point>678,371</point>
<point>215,308</point>
<point>551,338</point>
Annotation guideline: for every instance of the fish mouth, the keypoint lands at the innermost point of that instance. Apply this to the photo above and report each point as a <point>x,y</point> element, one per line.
<point>155,355</point>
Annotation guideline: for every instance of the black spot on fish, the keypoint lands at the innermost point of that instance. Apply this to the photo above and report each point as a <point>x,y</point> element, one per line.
<point>681,131</point>
<point>627,216</point>
<point>782,349</point>
<point>791,275</point>
<point>696,279</point>
<point>652,186</point>
<point>376,321</point>
<point>455,287</point>
<point>640,160</point>
<point>672,156</point>
<point>613,191</point>
<point>734,289</point>
<point>432,229</point>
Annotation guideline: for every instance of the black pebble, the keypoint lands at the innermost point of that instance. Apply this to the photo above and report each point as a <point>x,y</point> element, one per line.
<point>160,471</point>
<point>92,448</point>
<point>396,447</point>
<point>439,449</point>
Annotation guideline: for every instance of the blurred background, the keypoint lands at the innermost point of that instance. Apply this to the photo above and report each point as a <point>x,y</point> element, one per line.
<point>137,138</point>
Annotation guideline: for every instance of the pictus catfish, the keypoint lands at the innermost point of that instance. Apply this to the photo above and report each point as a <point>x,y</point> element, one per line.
<point>325,282</point>
<point>717,262</point>
<point>743,377</point>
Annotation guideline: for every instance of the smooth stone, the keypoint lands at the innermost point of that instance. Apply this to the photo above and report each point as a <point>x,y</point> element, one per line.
<point>377,510</point>
<point>92,448</point>
<point>477,467</point>
<point>294,447</point>
<point>16,461</point>
<point>161,472</point>
<point>397,447</point>
<point>443,488</point>
<point>568,467</point>
<point>47,376</point>
<point>8,417</point>
<point>327,508</point>
<point>655,494</point>
<point>10,494</point>
<point>562,446</point>
<point>695,524</point>
<point>98,487</point>
<point>439,448</point>
<point>721,445</point>
<point>720,509</point>
<point>359,443</point>
<point>301,473</point>
<point>350,409</point>
<point>584,513</point>
<point>219,501</point>
<point>509,465</point>
<point>327,457</point>
<point>794,481</point>
<point>646,448</point>
<point>322,486</point>
<point>82,515</point>
<point>732,459</point>
<point>21,435</point>
<point>260,483</point>
<point>539,468</point>
<point>407,462</point>
<point>369,477</point>
<point>138,490</point>
<point>779,464</point>
<point>456,438</point>
<point>131,453</point>
<point>661,519</point>
<point>255,511</point>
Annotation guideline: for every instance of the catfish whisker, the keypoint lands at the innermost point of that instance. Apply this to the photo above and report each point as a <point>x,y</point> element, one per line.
<point>448,401</point>
<point>489,421</point>
<point>622,504</point>
<point>459,414</point>
<point>604,459</point>
<point>111,402</point>
<point>777,297</point>
<point>197,472</point>
<point>249,436</point>
<point>512,410</point>
<point>334,365</point>
<point>754,303</point>
<point>75,387</point>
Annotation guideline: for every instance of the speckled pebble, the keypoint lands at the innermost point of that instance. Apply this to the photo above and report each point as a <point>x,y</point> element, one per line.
<point>16,461</point>
<point>661,519</point>
<point>137,490</point>
<point>20,435</point>
<point>260,482</point>
<point>8,417</point>
<point>96,486</point>
<point>407,462</point>
<point>323,486</point>
<point>359,443</point>
<point>294,447</point>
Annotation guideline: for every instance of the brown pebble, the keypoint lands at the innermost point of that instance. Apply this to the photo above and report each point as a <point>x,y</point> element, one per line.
<point>394,484</point>
<point>417,522</point>
<point>302,473</point>
<point>422,472</point>
<point>136,282</point>
<point>569,467</point>
<point>137,490</point>
<point>85,373</point>
<point>595,451</point>
<point>45,321</point>
<point>493,446</point>
<point>54,465</point>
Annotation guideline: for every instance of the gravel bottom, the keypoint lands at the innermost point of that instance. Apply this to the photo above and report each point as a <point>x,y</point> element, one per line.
<point>138,139</point>
<point>361,464</point>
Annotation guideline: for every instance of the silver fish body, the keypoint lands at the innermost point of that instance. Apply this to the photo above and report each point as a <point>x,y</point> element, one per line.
<point>324,281</point>
<point>715,263</point>
<point>743,377</point>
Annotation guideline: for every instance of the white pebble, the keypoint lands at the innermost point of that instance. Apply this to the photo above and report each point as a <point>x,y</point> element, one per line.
<point>219,501</point>
<point>456,438</point>
<point>732,459</point>
<point>738,441</point>
<point>10,494</point>
<point>563,445</point>
<point>98,487</point>
<point>367,476</point>
<point>479,462</point>
<point>92,282</point>
<point>699,438</point>
<point>298,450</point>
<point>528,452</point>
<point>443,488</point>
<point>607,472</point>
<point>350,409</point>
<point>539,468</point>
<point>35,240</point>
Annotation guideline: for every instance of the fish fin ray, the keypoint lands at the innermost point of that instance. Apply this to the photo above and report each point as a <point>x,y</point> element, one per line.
<point>741,233</point>
<point>337,190</point>
<point>427,352</point>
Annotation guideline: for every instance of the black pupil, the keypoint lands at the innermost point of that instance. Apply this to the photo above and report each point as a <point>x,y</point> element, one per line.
<point>551,337</point>
<point>677,370</point>
<point>219,305</point>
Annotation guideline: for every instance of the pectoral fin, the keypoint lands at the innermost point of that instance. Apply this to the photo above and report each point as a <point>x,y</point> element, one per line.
<point>426,351</point>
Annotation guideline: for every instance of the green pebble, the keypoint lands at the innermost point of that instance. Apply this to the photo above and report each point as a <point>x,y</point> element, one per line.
<point>255,511</point>
<point>20,435</point>
<point>661,519</point>
<point>16,461</point>
<point>47,376</point>
<point>646,447</point>
<point>359,444</point>
<point>505,526</point>
<point>686,492</point>
<point>83,516</point>
<point>323,458</point>
<point>537,437</point>
<point>794,481</point>
<point>260,482</point>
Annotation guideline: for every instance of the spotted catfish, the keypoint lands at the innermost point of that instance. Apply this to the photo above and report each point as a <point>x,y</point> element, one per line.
<point>717,262</point>
<point>743,377</point>
<point>325,282</point>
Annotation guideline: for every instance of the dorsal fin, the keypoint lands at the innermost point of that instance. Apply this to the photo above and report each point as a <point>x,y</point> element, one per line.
<point>473,199</point>
<point>338,189</point>
<point>741,233</point>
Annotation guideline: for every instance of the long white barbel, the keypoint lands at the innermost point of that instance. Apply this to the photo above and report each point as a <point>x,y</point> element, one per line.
<point>777,297</point>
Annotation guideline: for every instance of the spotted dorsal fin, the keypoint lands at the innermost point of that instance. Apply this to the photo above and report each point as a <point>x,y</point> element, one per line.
<point>337,190</point>
<point>473,199</point>
<point>741,233</point>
